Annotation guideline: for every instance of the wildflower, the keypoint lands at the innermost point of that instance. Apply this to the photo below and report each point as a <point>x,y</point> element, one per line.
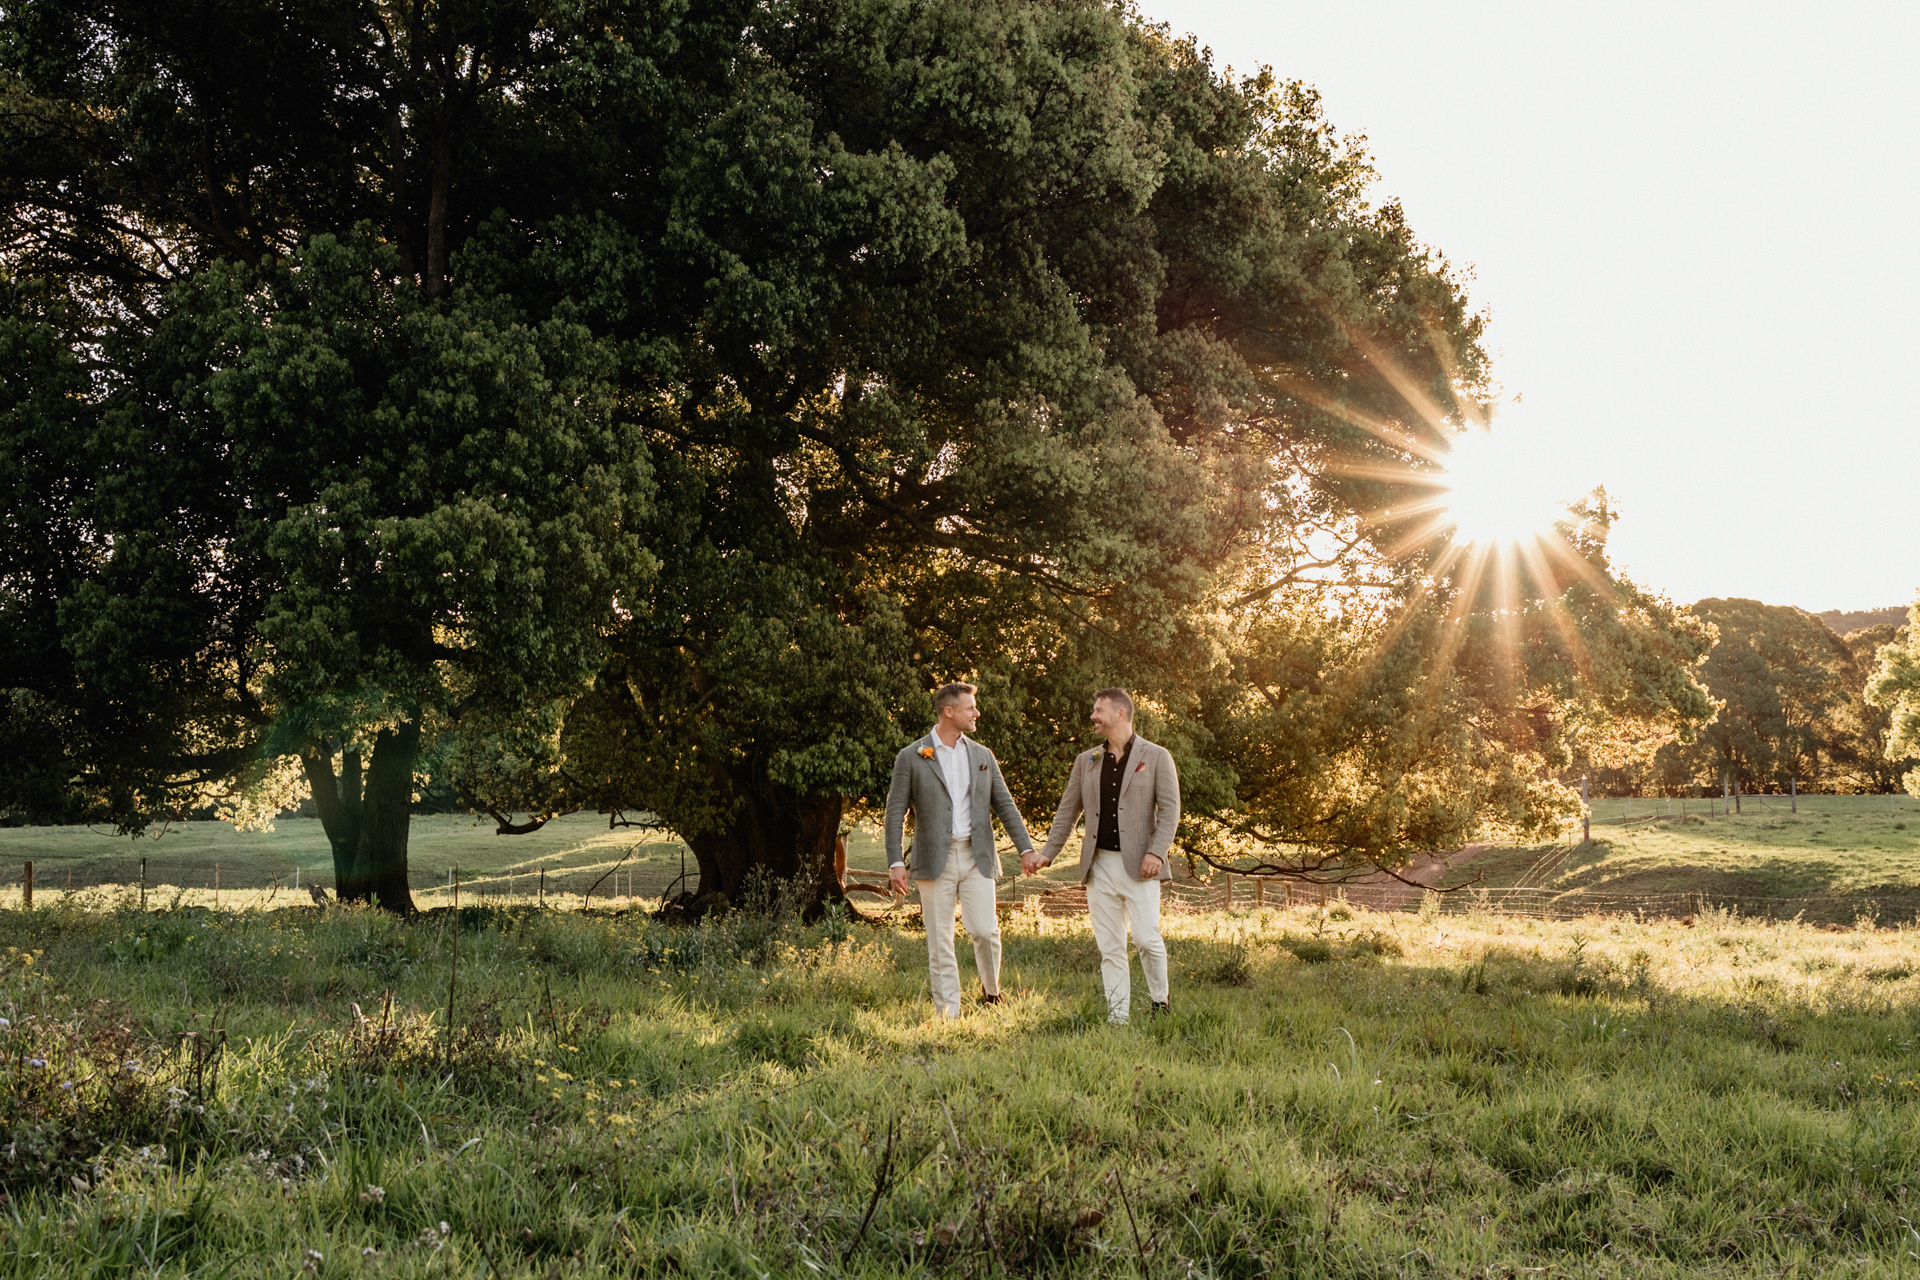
<point>4,1024</point>
<point>66,1084</point>
<point>373,1194</point>
<point>36,1062</point>
<point>133,1064</point>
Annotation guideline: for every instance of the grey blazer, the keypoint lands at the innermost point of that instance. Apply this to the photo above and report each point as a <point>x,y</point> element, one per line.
<point>919,785</point>
<point>1149,808</point>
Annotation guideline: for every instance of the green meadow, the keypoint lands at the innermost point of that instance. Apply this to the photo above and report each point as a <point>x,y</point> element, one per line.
<point>543,1093</point>
<point>1849,849</point>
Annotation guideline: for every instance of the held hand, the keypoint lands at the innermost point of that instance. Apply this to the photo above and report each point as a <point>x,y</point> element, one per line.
<point>1031,862</point>
<point>1150,866</point>
<point>898,877</point>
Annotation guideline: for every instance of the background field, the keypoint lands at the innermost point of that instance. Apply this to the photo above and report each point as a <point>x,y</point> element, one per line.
<point>1843,854</point>
<point>1838,855</point>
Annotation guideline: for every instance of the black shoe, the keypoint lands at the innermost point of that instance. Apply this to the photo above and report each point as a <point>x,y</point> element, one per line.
<point>993,998</point>
<point>1162,1006</point>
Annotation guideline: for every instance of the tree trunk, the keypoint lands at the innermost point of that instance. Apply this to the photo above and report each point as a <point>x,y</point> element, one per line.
<point>786,836</point>
<point>337,801</point>
<point>366,817</point>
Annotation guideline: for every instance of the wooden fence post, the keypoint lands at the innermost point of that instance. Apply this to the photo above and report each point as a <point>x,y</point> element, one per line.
<point>1260,891</point>
<point>143,884</point>
<point>1586,814</point>
<point>543,886</point>
<point>1226,878</point>
<point>26,889</point>
<point>1793,792</point>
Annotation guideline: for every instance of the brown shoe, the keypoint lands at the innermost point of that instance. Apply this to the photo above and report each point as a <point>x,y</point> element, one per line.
<point>987,997</point>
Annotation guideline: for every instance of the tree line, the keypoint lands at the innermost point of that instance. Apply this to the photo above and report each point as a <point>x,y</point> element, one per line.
<point>640,407</point>
<point>1799,706</point>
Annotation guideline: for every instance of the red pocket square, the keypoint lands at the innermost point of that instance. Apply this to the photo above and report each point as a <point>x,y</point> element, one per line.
<point>1137,768</point>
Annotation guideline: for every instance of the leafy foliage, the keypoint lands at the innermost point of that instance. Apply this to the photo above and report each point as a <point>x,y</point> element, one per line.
<point>762,365</point>
<point>1895,687</point>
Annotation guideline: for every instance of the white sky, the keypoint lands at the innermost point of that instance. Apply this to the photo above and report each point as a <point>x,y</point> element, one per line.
<point>1694,228</point>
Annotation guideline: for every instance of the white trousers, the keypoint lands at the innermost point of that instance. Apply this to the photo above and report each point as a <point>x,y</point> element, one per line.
<point>1115,900</point>
<point>960,886</point>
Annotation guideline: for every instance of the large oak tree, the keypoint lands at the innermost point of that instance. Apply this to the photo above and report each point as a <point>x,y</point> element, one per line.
<point>1010,340</point>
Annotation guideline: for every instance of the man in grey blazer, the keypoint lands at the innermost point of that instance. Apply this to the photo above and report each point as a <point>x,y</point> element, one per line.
<point>1130,793</point>
<point>954,788</point>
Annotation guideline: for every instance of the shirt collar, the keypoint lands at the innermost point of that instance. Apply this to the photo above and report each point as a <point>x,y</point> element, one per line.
<point>933,736</point>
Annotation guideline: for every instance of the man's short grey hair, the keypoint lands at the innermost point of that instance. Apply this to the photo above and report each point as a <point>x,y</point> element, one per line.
<point>948,694</point>
<point>1118,697</point>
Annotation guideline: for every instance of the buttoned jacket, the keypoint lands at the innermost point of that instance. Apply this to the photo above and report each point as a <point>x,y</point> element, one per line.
<point>1149,808</point>
<point>919,785</point>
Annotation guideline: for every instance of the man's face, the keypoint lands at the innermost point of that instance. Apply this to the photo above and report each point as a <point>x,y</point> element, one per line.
<point>964,714</point>
<point>1109,719</point>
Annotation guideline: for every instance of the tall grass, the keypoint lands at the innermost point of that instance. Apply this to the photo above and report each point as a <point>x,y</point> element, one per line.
<point>282,1093</point>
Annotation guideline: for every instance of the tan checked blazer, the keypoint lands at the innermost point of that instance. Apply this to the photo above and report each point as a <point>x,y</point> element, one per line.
<point>1149,808</point>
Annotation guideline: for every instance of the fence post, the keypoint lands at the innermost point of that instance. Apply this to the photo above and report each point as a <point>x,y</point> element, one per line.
<point>143,884</point>
<point>1793,792</point>
<point>1226,878</point>
<point>1736,795</point>
<point>216,884</point>
<point>1726,795</point>
<point>26,889</point>
<point>1260,891</point>
<point>1586,814</point>
<point>543,886</point>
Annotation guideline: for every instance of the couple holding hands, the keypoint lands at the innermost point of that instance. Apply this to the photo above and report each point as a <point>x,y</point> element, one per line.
<point>1130,793</point>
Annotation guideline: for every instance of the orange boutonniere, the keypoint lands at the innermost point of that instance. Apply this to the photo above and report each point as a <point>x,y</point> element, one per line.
<point>926,753</point>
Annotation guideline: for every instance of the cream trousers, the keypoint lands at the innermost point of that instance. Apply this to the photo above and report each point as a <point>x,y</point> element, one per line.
<point>1115,900</point>
<point>961,885</point>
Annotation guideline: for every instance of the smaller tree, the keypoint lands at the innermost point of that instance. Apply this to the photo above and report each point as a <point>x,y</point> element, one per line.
<point>366,519</point>
<point>1785,682</point>
<point>1895,686</point>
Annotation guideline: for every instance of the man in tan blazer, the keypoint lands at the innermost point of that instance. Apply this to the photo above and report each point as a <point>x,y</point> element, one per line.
<point>1130,793</point>
<point>952,786</point>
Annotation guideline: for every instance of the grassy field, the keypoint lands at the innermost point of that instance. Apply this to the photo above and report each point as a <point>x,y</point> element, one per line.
<point>1847,847</point>
<point>278,1094</point>
<point>574,851</point>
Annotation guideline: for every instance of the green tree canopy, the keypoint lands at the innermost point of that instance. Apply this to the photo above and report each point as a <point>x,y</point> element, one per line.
<point>1895,687</point>
<point>776,362</point>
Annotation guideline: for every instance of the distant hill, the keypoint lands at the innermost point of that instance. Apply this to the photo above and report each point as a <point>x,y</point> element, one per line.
<point>1841,623</point>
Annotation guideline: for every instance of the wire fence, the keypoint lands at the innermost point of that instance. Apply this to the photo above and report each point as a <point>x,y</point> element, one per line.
<point>155,882</point>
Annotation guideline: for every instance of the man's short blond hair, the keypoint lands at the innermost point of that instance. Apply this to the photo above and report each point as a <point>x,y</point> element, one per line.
<point>948,694</point>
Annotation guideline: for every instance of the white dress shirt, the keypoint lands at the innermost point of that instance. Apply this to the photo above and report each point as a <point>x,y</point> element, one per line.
<point>957,769</point>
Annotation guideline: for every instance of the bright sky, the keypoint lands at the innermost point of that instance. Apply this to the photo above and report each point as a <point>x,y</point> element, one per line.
<point>1693,226</point>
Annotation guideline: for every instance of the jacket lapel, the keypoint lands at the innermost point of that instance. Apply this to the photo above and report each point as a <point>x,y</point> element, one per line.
<point>1135,758</point>
<point>933,763</point>
<point>976,756</point>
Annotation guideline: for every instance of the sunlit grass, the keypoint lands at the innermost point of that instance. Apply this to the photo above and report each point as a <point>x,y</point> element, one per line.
<point>1336,1094</point>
